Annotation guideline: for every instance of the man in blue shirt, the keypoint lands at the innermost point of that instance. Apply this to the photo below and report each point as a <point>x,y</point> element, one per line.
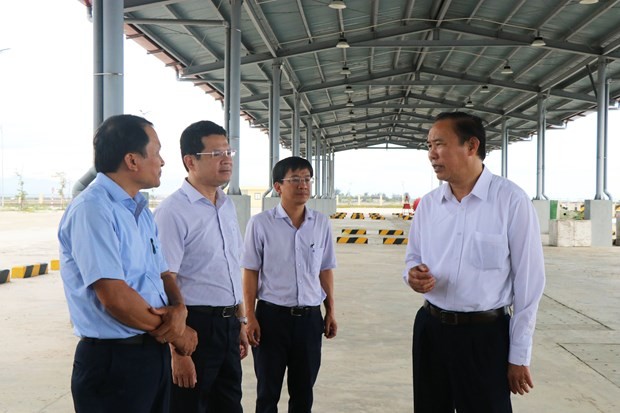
<point>124,304</point>
<point>202,244</point>
<point>288,262</point>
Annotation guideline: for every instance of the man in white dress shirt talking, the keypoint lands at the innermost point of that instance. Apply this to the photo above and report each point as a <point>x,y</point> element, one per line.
<point>475,254</point>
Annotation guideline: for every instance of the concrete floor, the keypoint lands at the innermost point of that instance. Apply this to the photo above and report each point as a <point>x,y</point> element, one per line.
<point>367,367</point>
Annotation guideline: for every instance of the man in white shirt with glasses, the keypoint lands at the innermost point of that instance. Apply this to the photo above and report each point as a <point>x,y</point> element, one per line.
<point>202,243</point>
<point>288,261</point>
<point>474,251</point>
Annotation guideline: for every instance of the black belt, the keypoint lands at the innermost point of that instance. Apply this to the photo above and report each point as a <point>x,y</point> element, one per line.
<point>298,311</point>
<point>134,340</point>
<point>225,312</point>
<point>455,317</point>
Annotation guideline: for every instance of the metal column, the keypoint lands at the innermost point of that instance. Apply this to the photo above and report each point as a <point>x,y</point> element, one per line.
<point>234,92</point>
<point>504,149</point>
<point>296,138</point>
<point>324,170</point>
<point>601,122</point>
<point>274,120</point>
<point>227,79</point>
<point>108,69</point>
<point>540,161</point>
<point>309,142</point>
<point>332,168</point>
<point>317,166</point>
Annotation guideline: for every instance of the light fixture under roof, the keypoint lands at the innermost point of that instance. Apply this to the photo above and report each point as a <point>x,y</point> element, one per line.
<point>350,103</point>
<point>538,41</point>
<point>349,90</point>
<point>484,89</point>
<point>507,70</point>
<point>342,42</point>
<point>345,70</point>
<point>469,104</point>
<point>588,1</point>
<point>337,5</point>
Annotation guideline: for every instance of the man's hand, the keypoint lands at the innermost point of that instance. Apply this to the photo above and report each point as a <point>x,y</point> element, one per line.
<point>187,343</point>
<point>253,331</point>
<point>420,279</point>
<point>331,327</point>
<point>519,379</point>
<point>173,323</point>
<point>183,371</point>
<point>244,345</point>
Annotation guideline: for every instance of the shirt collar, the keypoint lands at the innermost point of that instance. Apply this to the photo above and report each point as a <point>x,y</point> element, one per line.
<point>194,195</point>
<point>279,212</point>
<point>136,204</point>
<point>480,189</point>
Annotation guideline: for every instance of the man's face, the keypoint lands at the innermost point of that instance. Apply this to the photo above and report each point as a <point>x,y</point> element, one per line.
<point>449,158</point>
<point>213,170</point>
<point>149,166</point>
<point>295,192</point>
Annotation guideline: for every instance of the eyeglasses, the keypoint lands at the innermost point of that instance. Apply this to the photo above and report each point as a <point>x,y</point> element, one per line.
<point>296,180</point>
<point>219,154</point>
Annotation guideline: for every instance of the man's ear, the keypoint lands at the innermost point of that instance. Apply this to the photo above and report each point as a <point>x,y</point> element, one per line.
<point>188,160</point>
<point>473,143</point>
<point>277,187</point>
<point>130,161</point>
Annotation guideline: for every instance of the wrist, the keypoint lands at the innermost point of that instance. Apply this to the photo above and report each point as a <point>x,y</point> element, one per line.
<point>243,320</point>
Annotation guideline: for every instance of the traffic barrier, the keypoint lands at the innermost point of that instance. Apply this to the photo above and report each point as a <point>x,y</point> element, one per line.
<point>338,215</point>
<point>354,231</point>
<point>407,218</point>
<point>29,271</point>
<point>55,265</point>
<point>391,232</point>
<point>357,215</point>
<point>395,241</point>
<point>352,240</point>
<point>5,276</point>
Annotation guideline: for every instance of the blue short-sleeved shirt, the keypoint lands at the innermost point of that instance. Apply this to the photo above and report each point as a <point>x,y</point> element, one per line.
<point>105,233</point>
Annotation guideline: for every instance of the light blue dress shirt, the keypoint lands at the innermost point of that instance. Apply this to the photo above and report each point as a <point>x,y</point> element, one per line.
<point>104,233</point>
<point>202,243</point>
<point>485,253</point>
<point>289,260</point>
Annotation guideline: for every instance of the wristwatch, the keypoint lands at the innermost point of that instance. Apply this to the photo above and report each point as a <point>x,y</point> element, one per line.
<point>243,320</point>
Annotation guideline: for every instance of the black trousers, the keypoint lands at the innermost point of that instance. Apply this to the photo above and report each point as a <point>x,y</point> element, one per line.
<point>292,342</point>
<point>462,367</point>
<point>112,377</point>
<point>218,367</point>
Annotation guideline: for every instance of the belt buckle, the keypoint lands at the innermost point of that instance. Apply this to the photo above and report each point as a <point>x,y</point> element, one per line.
<point>298,311</point>
<point>448,317</point>
<point>228,312</point>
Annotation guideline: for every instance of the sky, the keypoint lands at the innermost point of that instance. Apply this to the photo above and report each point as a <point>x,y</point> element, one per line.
<point>46,124</point>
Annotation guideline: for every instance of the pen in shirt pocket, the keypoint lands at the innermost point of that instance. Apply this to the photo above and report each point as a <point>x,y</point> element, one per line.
<point>312,247</point>
<point>153,246</point>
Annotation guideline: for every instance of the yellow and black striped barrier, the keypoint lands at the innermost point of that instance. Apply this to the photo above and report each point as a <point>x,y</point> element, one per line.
<point>338,215</point>
<point>376,216</point>
<point>357,215</point>
<point>5,276</point>
<point>352,240</point>
<point>352,231</point>
<point>395,241</point>
<point>29,271</point>
<point>407,217</point>
<point>391,232</point>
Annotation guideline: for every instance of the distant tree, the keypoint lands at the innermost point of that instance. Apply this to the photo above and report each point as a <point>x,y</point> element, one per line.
<point>21,194</point>
<point>62,184</point>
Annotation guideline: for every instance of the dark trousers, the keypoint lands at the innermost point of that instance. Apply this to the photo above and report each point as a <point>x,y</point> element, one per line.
<point>462,367</point>
<point>218,367</point>
<point>112,377</point>
<point>292,342</point>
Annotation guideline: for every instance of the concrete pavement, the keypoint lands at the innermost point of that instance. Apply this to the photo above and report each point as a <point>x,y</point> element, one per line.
<point>367,367</point>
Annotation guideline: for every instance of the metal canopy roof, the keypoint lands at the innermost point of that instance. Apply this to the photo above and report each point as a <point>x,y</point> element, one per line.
<point>409,60</point>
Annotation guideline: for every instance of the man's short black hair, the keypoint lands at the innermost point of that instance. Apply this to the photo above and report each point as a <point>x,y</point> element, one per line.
<point>467,125</point>
<point>116,137</point>
<point>191,138</point>
<point>292,163</point>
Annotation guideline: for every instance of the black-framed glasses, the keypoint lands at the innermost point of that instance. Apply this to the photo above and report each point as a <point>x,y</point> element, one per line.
<point>296,180</point>
<point>219,154</point>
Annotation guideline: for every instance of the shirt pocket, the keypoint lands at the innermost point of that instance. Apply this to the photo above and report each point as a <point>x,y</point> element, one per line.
<point>489,251</point>
<point>315,258</point>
